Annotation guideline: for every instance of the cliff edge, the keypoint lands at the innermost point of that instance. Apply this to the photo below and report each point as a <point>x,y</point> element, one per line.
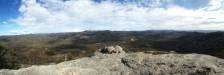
<point>113,60</point>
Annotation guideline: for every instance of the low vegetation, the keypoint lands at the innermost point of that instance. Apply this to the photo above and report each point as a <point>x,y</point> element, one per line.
<point>7,59</point>
<point>36,49</point>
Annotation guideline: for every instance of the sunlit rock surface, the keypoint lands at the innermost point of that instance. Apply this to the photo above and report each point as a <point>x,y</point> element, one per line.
<point>113,60</point>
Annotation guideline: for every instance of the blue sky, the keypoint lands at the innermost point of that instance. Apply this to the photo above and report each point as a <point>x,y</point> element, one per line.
<point>52,16</point>
<point>8,10</point>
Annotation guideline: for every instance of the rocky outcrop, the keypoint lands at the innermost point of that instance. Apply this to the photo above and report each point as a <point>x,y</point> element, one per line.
<point>174,64</point>
<point>111,50</point>
<point>114,61</point>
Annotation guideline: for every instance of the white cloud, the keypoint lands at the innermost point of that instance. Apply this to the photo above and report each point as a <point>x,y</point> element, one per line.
<point>78,15</point>
<point>215,4</point>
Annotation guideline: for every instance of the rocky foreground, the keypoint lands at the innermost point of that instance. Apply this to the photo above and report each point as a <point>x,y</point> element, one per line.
<point>114,61</point>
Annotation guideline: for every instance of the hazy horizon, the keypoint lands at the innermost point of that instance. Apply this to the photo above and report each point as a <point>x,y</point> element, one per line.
<point>200,31</point>
<point>56,16</point>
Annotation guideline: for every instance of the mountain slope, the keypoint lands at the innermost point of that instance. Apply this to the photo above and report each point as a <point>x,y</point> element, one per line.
<point>204,43</point>
<point>47,48</point>
<point>42,49</point>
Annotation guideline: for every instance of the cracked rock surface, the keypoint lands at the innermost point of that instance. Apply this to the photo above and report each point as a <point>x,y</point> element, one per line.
<point>114,61</point>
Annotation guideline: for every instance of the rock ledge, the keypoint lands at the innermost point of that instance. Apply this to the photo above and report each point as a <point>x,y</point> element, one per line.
<point>113,60</point>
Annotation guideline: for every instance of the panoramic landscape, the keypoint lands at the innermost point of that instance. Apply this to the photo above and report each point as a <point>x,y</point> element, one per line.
<point>111,37</point>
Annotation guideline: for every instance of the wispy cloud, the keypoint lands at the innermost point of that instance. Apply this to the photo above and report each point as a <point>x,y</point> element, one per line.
<point>46,16</point>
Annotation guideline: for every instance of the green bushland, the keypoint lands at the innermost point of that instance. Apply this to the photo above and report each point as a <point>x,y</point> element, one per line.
<point>7,59</point>
<point>41,49</point>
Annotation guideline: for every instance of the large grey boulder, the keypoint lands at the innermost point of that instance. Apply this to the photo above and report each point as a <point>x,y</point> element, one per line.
<point>111,50</point>
<point>121,63</point>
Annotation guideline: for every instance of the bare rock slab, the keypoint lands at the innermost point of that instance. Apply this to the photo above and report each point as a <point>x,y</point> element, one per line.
<point>113,60</point>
